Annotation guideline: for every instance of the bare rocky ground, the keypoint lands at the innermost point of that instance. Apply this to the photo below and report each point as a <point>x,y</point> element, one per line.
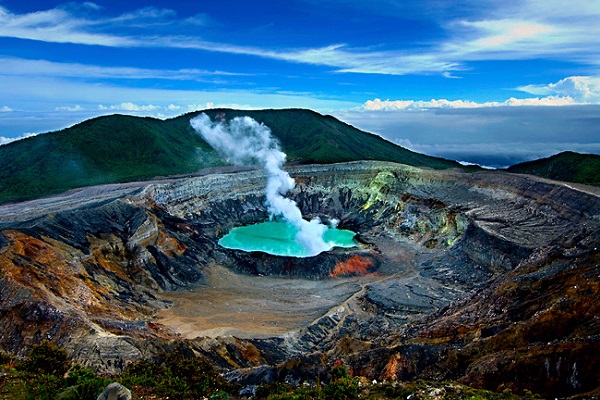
<point>248,306</point>
<point>489,278</point>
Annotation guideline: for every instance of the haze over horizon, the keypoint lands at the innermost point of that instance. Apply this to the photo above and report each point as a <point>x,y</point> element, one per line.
<point>475,81</point>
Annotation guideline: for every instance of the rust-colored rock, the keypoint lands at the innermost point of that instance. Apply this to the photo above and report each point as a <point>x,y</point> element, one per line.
<point>353,266</point>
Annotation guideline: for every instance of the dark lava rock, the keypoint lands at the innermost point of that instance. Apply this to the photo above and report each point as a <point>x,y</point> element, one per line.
<point>490,278</point>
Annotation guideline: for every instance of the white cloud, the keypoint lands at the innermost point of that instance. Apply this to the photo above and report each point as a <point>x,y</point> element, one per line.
<point>70,108</point>
<point>129,106</point>
<point>528,29</point>
<point>6,109</point>
<point>396,105</point>
<point>146,15</point>
<point>7,140</point>
<point>198,20</point>
<point>35,68</point>
<point>341,57</point>
<point>583,89</point>
<point>25,93</point>
<point>494,136</point>
<point>92,6</point>
<point>549,101</point>
<point>57,26</point>
<point>168,110</point>
<point>197,107</point>
<point>502,154</point>
<point>499,34</point>
<point>468,163</point>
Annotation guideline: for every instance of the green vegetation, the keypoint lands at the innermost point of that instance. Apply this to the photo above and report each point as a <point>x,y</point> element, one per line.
<point>47,374</point>
<point>308,137</point>
<point>567,166</point>
<point>421,390</point>
<point>103,150</point>
<point>341,386</point>
<point>120,148</point>
<point>176,377</point>
<point>344,387</point>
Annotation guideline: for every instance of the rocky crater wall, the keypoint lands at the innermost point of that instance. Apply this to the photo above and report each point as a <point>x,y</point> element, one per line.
<point>86,269</point>
<point>505,217</point>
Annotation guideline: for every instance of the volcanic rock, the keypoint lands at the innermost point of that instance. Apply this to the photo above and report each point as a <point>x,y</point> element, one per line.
<point>491,278</point>
<point>115,391</point>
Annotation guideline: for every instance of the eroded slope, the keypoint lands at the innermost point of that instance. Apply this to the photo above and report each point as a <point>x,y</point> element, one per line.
<point>454,275</point>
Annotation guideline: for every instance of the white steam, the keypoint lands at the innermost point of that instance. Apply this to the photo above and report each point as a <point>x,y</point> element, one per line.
<point>244,141</point>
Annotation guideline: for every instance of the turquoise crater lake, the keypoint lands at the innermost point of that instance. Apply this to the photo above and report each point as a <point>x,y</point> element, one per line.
<point>278,238</point>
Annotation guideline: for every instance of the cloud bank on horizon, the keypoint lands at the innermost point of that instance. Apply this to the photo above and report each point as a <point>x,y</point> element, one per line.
<point>478,81</point>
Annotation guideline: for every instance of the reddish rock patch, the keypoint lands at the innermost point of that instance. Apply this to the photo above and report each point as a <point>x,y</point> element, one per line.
<point>354,266</point>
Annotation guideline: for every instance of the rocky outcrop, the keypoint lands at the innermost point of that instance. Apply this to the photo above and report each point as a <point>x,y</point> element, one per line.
<point>115,391</point>
<point>487,277</point>
<point>533,328</point>
<point>95,271</point>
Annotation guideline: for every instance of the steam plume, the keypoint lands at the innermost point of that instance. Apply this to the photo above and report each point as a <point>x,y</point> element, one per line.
<point>243,141</point>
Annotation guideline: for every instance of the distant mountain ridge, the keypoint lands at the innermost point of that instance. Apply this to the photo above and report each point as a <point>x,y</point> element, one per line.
<point>566,166</point>
<point>119,148</point>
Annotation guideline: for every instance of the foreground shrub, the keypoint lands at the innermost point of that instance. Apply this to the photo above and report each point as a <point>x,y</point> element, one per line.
<point>341,386</point>
<point>48,374</point>
<point>47,359</point>
<point>82,384</point>
<point>272,389</point>
<point>177,377</point>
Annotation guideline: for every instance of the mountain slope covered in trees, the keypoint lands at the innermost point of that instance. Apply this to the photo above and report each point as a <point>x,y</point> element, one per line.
<point>567,166</point>
<point>120,148</point>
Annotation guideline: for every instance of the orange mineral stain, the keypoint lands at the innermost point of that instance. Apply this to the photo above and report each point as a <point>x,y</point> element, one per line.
<point>355,265</point>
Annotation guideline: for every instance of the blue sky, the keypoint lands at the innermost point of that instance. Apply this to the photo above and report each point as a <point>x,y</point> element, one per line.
<point>478,81</point>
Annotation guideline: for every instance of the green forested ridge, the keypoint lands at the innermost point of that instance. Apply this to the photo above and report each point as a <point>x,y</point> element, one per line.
<point>308,137</point>
<point>108,149</point>
<point>567,166</point>
<point>120,148</point>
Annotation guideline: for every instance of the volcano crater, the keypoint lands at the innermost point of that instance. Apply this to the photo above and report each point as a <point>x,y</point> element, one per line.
<point>369,205</point>
<point>406,264</point>
<point>117,273</point>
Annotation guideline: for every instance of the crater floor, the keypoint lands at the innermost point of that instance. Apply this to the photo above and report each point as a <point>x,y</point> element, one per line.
<point>254,306</point>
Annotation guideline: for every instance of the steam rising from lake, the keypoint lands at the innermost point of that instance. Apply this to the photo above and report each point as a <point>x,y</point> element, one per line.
<point>244,141</point>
